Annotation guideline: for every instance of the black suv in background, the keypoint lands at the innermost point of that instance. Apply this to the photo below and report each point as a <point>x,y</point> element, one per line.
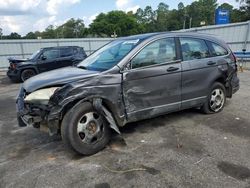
<point>43,60</point>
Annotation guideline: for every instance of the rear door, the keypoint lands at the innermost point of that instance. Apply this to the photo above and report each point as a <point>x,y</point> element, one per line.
<point>199,68</point>
<point>152,85</point>
<point>66,56</point>
<point>49,60</point>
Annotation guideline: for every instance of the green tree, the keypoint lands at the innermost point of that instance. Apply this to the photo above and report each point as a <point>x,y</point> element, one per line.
<point>30,35</point>
<point>245,8</point>
<point>202,10</point>
<point>49,33</point>
<point>12,35</point>
<point>226,6</point>
<point>73,28</point>
<point>115,21</point>
<point>162,21</point>
<point>181,6</point>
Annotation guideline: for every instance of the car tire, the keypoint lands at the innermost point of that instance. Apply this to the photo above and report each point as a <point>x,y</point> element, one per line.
<point>26,74</point>
<point>85,131</point>
<point>216,99</point>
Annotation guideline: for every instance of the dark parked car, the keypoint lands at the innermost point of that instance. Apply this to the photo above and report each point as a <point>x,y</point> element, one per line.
<point>129,79</point>
<point>43,60</point>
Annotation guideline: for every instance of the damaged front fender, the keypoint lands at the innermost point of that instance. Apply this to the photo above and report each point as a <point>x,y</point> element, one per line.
<point>103,91</point>
<point>97,103</point>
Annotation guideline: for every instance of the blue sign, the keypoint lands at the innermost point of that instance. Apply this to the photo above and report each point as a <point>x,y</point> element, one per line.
<point>221,16</point>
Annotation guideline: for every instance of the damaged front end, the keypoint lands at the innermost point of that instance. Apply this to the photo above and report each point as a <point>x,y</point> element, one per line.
<point>44,108</point>
<point>33,108</point>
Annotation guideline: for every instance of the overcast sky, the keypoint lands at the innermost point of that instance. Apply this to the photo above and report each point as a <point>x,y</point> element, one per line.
<point>23,16</point>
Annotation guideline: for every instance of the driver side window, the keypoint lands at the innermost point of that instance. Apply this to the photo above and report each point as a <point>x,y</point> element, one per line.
<point>160,51</point>
<point>51,54</point>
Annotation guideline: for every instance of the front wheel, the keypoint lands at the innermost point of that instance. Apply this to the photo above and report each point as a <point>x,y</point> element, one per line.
<point>216,99</point>
<point>26,74</point>
<point>84,130</point>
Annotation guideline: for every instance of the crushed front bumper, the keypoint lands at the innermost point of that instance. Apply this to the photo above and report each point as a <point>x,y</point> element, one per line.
<point>20,108</point>
<point>34,115</point>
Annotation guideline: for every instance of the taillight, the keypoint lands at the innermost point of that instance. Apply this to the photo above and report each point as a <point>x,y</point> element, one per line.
<point>13,66</point>
<point>233,57</point>
<point>234,60</point>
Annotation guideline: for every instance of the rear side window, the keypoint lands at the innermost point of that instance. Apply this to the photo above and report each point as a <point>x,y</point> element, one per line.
<point>66,52</point>
<point>218,50</point>
<point>79,51</point>
<point>193,49</point>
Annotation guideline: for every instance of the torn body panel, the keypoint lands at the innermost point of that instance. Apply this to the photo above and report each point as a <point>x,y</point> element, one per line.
<point>106,87</point>
<point>152,91</point>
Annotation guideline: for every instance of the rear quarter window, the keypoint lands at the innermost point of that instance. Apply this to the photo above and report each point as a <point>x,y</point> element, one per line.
<point>218,50</point>
<point>66,52</point>
<point>79,51</point>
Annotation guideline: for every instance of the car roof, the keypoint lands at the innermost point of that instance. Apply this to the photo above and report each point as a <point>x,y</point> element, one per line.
<point>58,47</point>
<point>173,34</point>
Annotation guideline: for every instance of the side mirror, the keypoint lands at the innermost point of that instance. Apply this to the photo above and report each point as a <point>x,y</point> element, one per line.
<point>43,57</point>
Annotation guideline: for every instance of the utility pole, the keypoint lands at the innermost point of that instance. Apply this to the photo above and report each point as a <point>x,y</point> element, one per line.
<point>190,22</point>
<point>185,17</point>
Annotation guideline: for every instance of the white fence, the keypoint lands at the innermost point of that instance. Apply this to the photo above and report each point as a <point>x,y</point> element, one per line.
<point>24,48</point>
<point>237,35</point>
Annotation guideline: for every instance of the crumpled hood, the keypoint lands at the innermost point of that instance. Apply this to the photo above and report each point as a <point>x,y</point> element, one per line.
<point>17,60</point>
<point>56,77</point>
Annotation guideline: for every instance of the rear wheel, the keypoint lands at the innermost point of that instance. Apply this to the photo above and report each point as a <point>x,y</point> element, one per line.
<point>216,99</point>
<point>27,73</point>
<point>84,130</point>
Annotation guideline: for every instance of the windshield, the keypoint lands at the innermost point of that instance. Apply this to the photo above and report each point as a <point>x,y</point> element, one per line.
<point>109,55</point>
<point>34,54</point>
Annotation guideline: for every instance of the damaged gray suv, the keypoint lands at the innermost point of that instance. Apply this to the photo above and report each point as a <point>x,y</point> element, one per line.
<point>128,80</point>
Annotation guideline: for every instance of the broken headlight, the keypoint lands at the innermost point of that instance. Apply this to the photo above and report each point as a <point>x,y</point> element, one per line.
<point>41,96</point>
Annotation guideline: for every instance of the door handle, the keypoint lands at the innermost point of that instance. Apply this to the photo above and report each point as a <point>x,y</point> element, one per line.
<point>170,69</point>
<point>211,63</point>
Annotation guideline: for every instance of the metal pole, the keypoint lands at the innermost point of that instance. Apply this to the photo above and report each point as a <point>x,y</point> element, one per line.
<point>22,50</point>
<point>246,36</point>
<point>90,47</point>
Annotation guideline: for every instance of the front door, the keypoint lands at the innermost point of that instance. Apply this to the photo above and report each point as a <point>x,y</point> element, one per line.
<point>152,85</point>
<point>49,60</point>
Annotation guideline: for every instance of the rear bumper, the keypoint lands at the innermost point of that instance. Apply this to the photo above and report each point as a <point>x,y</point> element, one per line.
<point>13,74</point>
<point>235,83</point>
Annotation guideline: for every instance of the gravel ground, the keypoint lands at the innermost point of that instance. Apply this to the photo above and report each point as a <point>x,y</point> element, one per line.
<point>184,149</point>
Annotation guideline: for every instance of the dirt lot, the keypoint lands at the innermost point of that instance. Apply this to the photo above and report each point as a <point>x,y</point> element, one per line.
<point>184,149</point>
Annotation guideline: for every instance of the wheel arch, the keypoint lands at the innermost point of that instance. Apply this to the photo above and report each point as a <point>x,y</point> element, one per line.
<point>27,68</point>
<point>223,81</point>
<point>105,103</point>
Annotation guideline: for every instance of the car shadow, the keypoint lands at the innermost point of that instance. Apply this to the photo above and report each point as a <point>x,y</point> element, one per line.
<point>147,125</point>
<point>4,80</point>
